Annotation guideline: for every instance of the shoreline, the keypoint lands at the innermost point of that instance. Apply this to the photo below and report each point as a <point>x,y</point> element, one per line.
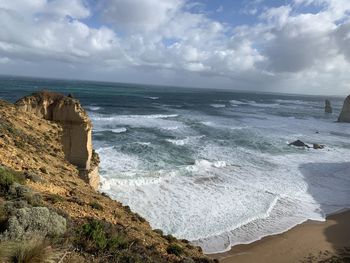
<point>310,238</point>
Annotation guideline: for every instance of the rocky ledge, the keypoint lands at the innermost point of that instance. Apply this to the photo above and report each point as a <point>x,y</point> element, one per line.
<point>77,129</point>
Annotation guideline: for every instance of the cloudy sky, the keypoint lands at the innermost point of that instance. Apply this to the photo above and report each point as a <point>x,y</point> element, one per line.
<point>295,46</point>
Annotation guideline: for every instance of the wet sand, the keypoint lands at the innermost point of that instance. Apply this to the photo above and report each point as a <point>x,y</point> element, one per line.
<point>319,239</point>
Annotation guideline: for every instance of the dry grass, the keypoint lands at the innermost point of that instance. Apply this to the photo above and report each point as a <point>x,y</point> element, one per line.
<point>32,251</point>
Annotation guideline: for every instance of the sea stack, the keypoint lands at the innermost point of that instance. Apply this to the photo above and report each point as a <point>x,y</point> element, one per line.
<point>77,129</point>
<point>345,113</point>
<point>328,107</point>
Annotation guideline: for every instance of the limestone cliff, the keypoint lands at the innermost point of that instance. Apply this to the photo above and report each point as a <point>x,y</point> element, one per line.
<point>345,113</point>
<point>77,129</point>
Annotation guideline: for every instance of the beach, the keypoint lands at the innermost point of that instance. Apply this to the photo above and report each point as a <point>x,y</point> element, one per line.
<point>308,242</point>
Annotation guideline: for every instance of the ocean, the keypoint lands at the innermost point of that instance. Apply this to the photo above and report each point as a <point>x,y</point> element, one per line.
<point>212,166</point>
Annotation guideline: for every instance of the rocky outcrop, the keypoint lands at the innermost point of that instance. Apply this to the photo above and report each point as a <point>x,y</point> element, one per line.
<point>317,146</point>
<point>328,107</point>
<point>345,113</point>
<point>77,129</point>
<point>299,143</point>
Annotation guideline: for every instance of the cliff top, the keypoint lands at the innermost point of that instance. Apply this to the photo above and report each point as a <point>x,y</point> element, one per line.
<point>44,103</point>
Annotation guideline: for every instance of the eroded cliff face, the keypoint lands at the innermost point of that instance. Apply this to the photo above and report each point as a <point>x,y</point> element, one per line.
<point>77,129</point>
<point>345,113</point>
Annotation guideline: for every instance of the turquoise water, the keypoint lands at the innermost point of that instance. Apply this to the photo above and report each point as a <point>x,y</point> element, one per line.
<point>212,166</point>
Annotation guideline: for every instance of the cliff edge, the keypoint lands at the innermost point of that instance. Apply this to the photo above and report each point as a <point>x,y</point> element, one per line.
<point>47,211</point>
<point>76,138</point>
<point>345,113</point>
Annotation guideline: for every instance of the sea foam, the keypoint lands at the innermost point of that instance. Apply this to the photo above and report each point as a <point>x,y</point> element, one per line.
<point>233,180</point>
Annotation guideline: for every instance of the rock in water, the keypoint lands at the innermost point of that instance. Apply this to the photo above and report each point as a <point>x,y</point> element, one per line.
<point>328,107</point>
<point>345,113</point>
<point>317,146</point>
<point>299,143</point>
<point>76,125</point>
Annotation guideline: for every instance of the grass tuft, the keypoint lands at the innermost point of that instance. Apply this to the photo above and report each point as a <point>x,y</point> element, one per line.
<point>9,177</point>
<point>33,251</point>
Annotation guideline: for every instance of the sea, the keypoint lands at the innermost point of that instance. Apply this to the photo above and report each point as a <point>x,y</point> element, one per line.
<point>212,166</point>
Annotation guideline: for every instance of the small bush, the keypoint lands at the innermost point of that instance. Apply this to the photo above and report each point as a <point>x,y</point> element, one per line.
<point>174,249</point>
<point>118,241</point>
<point>9,177</point>
<point>77,200</point>
<point>105,195</point>
<point>98,237</point>
<point>94,233</point>
<point>127,209</point>
<point>158,231</point>
<point>137,217</point>
<point>53,198</point>
<point>43,170</point>
<point>34,199</point>
<point>96,205</point>
<point>33,251</point>
<point>170,238</point>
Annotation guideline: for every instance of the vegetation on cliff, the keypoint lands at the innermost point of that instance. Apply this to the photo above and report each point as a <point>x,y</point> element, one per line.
<point>48,213</point>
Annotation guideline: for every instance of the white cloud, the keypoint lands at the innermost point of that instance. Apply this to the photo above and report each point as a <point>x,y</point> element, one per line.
<point>50,30</point>
<point>145,15</point>
<point>285,50</point>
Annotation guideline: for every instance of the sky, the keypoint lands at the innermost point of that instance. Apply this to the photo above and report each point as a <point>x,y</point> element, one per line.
<point>292,46</point>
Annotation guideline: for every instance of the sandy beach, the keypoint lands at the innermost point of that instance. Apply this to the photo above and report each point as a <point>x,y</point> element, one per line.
<point>309,242</point>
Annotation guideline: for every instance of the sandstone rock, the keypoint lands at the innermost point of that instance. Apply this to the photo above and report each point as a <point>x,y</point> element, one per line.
<point>345,113</point>
<point>77,128</point>
<point>299,143</point>
<point>328,107</point>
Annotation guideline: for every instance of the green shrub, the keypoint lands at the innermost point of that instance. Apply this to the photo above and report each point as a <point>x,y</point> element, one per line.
<point>9,177</point>
<point>174,249</point>
<point>98,237</point>
<point>137,217</point>
<point>170,238</point>
<point>94,233</point>
<point>118,241</point>
<point>96,205</point>
<point>158,231</point>
<point>127,209</point>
